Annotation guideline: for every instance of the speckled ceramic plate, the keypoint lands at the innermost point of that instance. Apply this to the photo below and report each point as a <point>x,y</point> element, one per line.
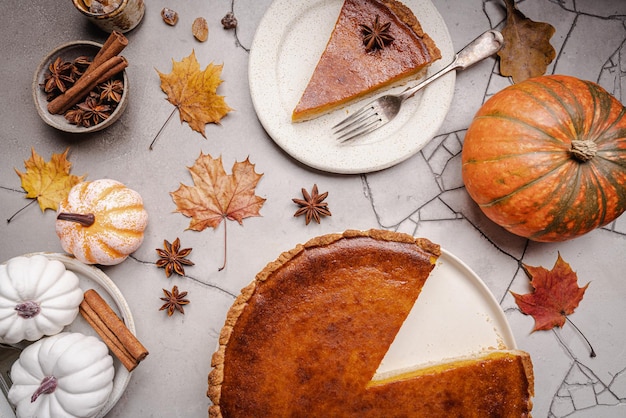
<point>91,277</point>
<point>455,315</point>
<point>287,45</point>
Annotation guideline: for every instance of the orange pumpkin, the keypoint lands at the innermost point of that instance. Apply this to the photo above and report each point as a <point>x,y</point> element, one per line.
<point>101,222</point>
<point>546,158</point>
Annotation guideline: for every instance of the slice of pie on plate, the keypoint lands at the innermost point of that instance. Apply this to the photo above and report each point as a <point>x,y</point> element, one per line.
<point>306,337</point>
<point>374,44</point>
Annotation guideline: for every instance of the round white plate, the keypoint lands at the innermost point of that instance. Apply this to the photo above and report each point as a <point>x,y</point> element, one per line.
<point>91,277</point>
<point>455,315</point>
<point>287,45</point>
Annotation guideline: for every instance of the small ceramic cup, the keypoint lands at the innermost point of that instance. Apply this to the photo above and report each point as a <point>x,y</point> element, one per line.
<point>123,19</point>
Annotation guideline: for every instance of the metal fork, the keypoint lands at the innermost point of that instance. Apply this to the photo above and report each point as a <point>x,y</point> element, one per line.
<point>382,110</point>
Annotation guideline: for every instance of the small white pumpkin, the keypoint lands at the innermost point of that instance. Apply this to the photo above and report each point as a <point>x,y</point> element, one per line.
<point>101,222</point>
<point>38,297</point>
<point>67,375</point>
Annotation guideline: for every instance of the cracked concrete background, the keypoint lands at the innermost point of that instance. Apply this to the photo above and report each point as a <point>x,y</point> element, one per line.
<point>423,196</point>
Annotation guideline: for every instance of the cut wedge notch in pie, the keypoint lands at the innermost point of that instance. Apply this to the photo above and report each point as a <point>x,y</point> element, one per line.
<point>307,336</point>
<point>374,44</point>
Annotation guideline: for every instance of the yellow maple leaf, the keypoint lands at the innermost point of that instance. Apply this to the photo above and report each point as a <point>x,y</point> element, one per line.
<point>216,195</point>
<point>193,92</point>
<point>48,182</point>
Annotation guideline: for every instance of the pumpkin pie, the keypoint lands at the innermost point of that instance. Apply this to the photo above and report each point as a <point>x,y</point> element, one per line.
<point>374,44</point>
<point>306,337</point>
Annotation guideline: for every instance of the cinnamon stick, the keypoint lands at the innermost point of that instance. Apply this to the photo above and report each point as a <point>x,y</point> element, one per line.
<point>114,44</point>
<point>112,330</point>
<point>107,336</point>
<point>86,83</point>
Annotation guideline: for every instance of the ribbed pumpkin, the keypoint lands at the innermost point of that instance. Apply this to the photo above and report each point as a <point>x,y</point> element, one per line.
<point>101,222</point>
<point>546,158</point>
<point>37,297</point>
<point>67,375</point>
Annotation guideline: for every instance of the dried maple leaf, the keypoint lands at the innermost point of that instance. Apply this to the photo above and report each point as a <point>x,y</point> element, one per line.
<point>216,195</point>
<point>556,295</point>
<point>48,182</point>
<point>527,51</point>
<point>193,92</point>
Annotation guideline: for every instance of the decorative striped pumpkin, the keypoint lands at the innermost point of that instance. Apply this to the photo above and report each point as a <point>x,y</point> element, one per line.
<point>546,158</point>
<point>101,222</point>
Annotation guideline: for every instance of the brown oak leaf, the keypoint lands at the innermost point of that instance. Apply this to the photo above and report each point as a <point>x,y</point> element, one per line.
<point>193,92</point>
<point>527,51</point>
<point>556,294</point>
<point>48,182</point>
<point>216,195</point>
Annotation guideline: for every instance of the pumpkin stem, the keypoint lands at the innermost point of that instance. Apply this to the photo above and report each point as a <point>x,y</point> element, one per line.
<point>583,150</point>
<point>28,309</point>
<point>47,386</point>
<point>87,219</point>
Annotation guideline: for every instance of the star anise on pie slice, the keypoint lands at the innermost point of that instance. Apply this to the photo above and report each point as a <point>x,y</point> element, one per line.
<point>313,205</point>
<point>174,301</point>
<point>173,258</point>
<point>376,36</point>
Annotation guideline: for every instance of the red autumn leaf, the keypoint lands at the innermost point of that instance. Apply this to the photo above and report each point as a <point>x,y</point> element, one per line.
<point>556,294</point>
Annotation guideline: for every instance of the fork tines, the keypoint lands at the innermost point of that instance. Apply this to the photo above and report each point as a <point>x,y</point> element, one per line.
<point>360,123</point>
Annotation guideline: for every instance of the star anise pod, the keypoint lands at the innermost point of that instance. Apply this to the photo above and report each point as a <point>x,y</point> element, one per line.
<point>79,65</point>
<point>94,112</point>
<point>174,301</point>
<point>111,91</point>
<point>173,258</point>
<point>59,76</point>
<point>376,36</point>
<point>75,116</point>
<point>313,205</point>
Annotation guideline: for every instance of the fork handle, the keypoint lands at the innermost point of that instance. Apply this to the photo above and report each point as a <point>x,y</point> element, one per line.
<point>480,48</point>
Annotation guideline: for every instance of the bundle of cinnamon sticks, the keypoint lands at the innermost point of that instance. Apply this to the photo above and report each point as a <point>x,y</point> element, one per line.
<point>105,65</point>
<point>122,343</point>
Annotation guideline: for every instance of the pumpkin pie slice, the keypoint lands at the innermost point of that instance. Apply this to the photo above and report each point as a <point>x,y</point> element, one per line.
<point>374,44</point>
<point>307,336</point>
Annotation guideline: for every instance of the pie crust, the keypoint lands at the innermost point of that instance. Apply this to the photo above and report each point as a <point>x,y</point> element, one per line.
<point>306,337</point>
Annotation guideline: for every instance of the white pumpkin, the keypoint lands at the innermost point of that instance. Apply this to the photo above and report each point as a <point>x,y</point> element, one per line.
<point>67,375</point>
<point>38,297</point>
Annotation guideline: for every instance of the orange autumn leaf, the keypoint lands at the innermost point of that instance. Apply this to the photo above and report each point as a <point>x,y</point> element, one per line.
<point>193,92</point>
<point>48,182</point>
<point>527,51</point>
<point>556,295</point>
<point>217,195</point>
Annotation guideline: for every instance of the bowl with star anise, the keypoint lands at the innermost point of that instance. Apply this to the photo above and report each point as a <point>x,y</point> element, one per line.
<point>75,93</point>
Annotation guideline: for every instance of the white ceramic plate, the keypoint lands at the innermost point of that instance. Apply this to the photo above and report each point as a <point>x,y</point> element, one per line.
<point>91,277</point>
<point>286,47</point>
<point>455,315</point>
